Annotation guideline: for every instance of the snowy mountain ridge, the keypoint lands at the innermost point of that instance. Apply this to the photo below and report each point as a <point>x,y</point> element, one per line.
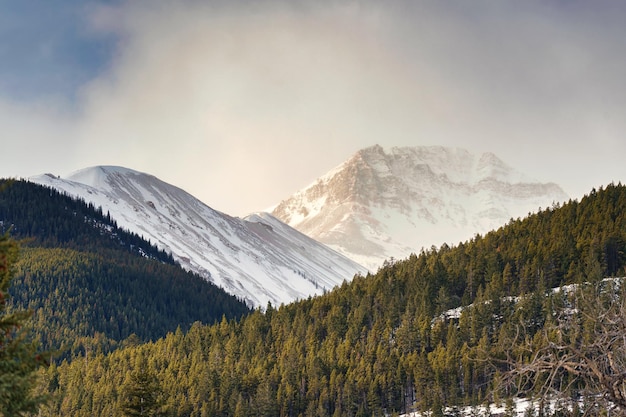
<point>258,259</point>
<point>389,203</point>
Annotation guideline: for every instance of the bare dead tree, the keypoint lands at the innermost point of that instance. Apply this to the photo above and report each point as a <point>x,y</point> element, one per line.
<point>582,348</point>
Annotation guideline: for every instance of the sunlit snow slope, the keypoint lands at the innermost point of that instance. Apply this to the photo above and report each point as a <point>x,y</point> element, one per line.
<point>389,203</point>
<point>258,259</point>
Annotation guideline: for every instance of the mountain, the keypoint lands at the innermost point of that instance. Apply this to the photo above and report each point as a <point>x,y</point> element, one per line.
<point>382,203</point>
<point>257,259</point>
<point>83,277</point>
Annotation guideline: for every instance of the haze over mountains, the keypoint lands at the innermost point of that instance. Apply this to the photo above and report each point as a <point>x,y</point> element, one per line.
<point>389,203</point>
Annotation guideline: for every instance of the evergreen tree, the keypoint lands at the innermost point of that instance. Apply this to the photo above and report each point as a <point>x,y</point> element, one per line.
<point>18,358</point>
<point>141,394</point>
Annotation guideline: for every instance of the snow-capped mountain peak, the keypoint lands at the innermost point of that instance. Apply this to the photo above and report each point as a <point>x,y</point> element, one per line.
<point>259,259</point>
<point>388,203</point>
<point>100,176</point>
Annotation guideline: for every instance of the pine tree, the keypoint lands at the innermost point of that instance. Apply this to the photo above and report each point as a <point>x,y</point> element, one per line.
<point>18,357</point>
<point>141,394</point>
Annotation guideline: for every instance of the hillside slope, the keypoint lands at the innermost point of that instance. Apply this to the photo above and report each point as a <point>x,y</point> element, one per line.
<point>256,259</point>
<point>83,277</point>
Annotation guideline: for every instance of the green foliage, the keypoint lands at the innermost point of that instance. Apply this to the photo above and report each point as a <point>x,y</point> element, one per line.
<point>111,295</point>
<point>140,394</point>
<point>380,344</point>
<point>18,358</point>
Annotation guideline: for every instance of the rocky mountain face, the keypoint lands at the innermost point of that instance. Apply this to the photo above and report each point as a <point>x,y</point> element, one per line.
<point>259,259</point>
<point>383,204</point>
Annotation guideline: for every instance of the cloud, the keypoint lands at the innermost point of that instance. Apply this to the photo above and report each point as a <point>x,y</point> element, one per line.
<point>243,103</point>
<point>253,97</point>
<point>37,134</point>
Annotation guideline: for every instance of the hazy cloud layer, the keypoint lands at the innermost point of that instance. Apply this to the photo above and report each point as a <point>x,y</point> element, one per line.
<point>244,103</point>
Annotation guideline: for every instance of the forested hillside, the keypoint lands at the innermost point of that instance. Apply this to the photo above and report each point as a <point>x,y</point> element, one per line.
<point>92,285</point>
<point>376,345</point>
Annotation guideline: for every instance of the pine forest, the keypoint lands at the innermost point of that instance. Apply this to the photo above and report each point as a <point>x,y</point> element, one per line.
<point>443,329</point>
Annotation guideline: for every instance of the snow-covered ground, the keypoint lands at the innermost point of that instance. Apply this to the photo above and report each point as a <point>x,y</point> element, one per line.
<point>258,259</point>
<point>519,407</point>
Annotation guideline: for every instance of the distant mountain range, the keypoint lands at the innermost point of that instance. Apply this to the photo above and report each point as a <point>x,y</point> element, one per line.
<point>382,203</point>
<point>258,259</point>
<point>377,205</point>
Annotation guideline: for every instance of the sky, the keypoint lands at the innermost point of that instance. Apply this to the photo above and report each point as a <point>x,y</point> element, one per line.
<point>242,103</point>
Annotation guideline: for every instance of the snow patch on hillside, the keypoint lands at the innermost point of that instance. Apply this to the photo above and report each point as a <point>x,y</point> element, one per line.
<point>519,408</point>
